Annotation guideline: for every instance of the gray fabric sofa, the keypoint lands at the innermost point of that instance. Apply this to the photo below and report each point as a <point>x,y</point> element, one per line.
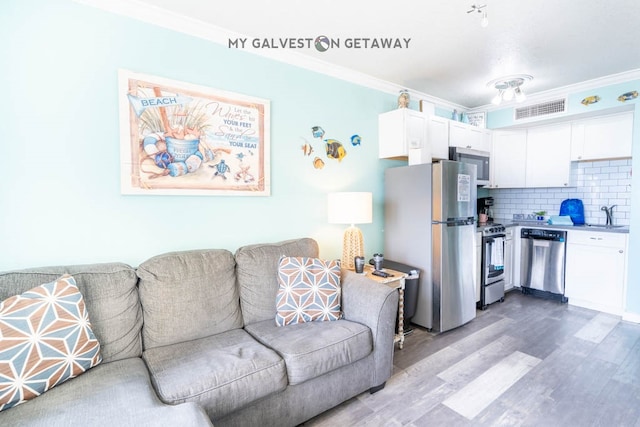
<point>189,338</point>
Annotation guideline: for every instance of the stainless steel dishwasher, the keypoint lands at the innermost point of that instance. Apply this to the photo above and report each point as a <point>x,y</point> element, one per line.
<point>542,262</point>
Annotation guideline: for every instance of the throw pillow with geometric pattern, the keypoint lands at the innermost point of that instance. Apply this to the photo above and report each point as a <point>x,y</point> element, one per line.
<point>45,339</point>
<point>309,290</point>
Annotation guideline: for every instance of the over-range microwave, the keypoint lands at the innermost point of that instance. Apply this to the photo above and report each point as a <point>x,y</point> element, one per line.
<point>474,157</point>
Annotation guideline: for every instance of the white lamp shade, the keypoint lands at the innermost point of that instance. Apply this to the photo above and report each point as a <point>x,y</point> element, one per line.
<point>350,208</point>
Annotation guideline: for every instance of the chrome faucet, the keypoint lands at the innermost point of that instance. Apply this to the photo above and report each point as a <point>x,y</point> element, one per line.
<point>609,212</point>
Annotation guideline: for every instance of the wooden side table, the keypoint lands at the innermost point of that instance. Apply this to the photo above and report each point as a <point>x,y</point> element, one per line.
<point>396,281</point>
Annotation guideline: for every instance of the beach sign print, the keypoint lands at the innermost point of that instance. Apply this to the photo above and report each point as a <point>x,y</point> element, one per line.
<point>181,139</point>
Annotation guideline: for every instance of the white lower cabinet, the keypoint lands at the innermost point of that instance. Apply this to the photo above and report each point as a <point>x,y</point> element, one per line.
<point>595,272</point>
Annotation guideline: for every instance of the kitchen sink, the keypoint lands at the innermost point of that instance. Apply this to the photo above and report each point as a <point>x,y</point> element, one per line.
<point>604,226</point>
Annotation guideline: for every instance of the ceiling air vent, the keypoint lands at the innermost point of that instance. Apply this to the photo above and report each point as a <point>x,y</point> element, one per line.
<point>543,109</point>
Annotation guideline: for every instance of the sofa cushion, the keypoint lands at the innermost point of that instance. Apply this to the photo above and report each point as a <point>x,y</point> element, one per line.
<point>309,290</point>
<point>314,348</point>
<point>188,295</point>
<point>257,271</point>
<point>111,394</point>
<point>45,339</point>
<point>222,373</point>
<point>110,295</point>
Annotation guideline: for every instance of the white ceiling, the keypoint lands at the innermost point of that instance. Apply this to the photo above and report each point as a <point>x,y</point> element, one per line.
<point>450,56</point>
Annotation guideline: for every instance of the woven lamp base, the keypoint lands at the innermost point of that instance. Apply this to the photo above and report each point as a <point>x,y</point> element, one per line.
<point>352,246</point>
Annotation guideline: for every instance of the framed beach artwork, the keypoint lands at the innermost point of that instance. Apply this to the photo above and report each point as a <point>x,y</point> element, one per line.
<point>182,139</point>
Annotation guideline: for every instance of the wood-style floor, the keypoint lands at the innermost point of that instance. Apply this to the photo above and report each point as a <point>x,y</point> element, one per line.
<point>524,362</point>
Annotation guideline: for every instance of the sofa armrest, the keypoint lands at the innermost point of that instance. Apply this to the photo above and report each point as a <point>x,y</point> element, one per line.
<point>375,305</point>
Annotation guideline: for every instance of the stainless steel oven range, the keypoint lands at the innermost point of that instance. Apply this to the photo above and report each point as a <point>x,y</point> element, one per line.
<point>492,268</point>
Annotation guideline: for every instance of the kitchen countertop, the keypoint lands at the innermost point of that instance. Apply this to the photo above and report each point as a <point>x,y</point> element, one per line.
<point>543,224</point>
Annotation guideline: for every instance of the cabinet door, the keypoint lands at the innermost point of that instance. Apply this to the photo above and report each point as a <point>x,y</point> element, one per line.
<point>608,137</point>
<point>595,277</point>
<point>391,135</point>
<point>479,139</point>
<point>508,159</point>
<point>459,135</point>
<point>486,143</point>
<point>400,130</point>
<point>416,125</point>
<point>438,137</point>
<point>548,156</point>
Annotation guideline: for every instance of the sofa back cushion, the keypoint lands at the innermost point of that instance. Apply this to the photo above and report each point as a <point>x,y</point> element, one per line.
<point>110,296</point>
<point>188,295</point>
<point>257,271</point>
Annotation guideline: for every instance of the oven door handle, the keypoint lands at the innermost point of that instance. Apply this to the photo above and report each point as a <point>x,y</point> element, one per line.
<point>492,238</point>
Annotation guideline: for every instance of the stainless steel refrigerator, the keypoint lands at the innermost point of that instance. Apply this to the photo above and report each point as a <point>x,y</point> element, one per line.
<point>430,224</point>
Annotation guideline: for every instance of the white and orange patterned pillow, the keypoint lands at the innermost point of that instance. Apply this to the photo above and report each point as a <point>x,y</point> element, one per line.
<point>309,290</point>
<point>45,339</point>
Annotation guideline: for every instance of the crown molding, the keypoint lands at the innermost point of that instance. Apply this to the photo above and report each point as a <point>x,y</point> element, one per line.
<point>564,91</point>
<point>166,19</point>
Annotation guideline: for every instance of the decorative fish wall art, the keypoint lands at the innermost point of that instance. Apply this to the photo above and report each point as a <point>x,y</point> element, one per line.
<point>334,149</point>
<point>628,96</point>
<point>590,100</point>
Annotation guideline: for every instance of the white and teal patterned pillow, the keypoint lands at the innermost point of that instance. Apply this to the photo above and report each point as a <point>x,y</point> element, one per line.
<point>309,290</point>
<point>45,339</point>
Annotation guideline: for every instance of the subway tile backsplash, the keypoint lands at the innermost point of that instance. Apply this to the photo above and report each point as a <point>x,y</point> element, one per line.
<point>598,183</point>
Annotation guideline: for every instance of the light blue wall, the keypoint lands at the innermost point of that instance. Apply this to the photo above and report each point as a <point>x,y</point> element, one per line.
<point>608,102</point>
<point>60,150</point>
<point>633,278</point>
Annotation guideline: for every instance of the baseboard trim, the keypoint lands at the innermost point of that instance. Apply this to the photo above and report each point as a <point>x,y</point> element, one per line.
<point>631,317</point>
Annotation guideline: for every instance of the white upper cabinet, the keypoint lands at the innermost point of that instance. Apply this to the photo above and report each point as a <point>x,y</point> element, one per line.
<point>438,137</point>
<point>468,136</point>
<point>509,159</point>
<point>403,132</point>
<point>549,156</point>
<point>606,137</point>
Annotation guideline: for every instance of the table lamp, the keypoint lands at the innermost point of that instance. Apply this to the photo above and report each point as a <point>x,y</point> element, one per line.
<point>350,208</point>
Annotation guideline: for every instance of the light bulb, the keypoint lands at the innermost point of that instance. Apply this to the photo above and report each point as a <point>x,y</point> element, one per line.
<point>520,96</point>
<point>497,100</point>
<point>508,94</point>
<point>484,21</point>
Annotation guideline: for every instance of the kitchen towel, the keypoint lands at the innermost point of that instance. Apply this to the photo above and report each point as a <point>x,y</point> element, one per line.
<point>497,253</point>
<point>560,220</point>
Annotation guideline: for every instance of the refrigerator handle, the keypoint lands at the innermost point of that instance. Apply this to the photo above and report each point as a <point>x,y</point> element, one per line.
<point>457,221</point>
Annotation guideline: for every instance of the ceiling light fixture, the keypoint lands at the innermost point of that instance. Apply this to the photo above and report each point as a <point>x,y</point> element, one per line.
<point>509,87</point>
<point>480,9</point>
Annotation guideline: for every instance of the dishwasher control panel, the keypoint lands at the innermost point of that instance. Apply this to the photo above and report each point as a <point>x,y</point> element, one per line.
<point>536,233</point>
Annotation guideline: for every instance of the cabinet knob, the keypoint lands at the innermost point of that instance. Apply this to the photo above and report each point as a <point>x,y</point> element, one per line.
<point>579,157</point>
<point>621,251</point>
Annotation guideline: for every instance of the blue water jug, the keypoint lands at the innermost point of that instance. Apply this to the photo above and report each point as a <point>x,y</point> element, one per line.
<point>574,208</point>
